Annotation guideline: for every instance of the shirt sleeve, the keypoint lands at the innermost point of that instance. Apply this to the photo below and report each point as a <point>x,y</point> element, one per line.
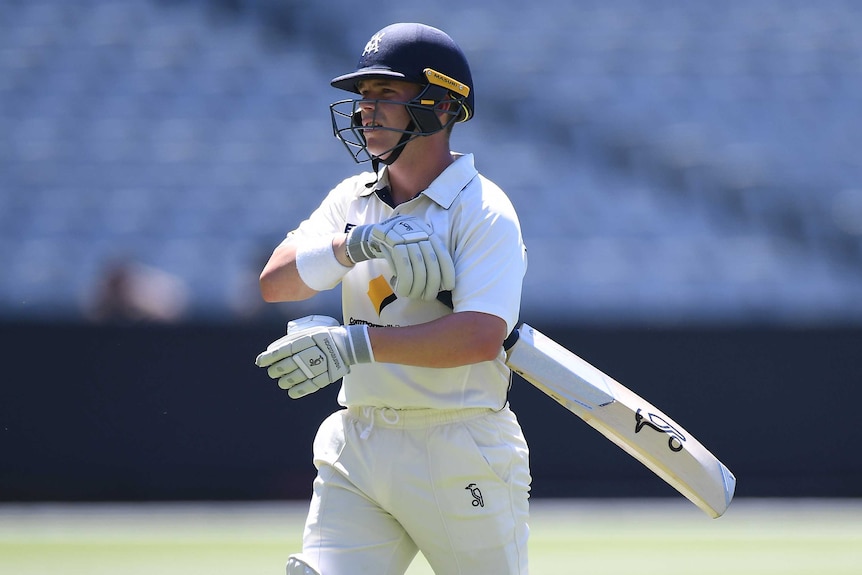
<point>490,256</point>
<point>330,217</point>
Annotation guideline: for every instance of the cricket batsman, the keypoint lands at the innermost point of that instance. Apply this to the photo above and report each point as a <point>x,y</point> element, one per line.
<point>424,452</point>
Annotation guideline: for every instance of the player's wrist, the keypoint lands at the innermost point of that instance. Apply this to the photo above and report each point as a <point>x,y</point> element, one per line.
<point>317,264</point>
<point>358,344</point>
<point>357,244</point>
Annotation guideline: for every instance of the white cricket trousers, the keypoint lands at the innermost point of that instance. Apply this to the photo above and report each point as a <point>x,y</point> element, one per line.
<point>451,483</point>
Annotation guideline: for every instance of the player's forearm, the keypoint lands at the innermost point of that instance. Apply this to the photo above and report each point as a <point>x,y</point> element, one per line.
<point>279,280</point>
<point>454,340</point>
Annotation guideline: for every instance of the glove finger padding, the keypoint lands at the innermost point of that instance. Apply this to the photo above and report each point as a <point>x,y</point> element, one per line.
<point>308,386</point>
<point>402,230</point>
<point>278,349</point>
<point>444,264</point>
<point>402,270</point>
<point>410,270</point>
<point>282,348</point>
<point>308,355</point>
<point>420,263</point>
<point>309,321</point>
<point>433,274</point>
<point>421,270</point>
<point>305,364</point>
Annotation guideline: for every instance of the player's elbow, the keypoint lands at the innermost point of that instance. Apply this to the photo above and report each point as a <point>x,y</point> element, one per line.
<point>486,349</point>
<point>269,289</point>
<point>276,285</point>
<point>486,337</point>
<point>279,276</point>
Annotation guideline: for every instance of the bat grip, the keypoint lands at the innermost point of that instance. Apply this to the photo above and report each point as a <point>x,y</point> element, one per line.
<point>511,339</point>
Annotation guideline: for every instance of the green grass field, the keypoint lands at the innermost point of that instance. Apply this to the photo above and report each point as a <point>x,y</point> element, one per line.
<point>624,537</point>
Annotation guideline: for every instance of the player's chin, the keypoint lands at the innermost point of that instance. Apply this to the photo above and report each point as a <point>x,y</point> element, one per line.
<point>381,151</point>
<point>375,138</point>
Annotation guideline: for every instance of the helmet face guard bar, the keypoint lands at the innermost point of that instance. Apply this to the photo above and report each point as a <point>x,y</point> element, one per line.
<point>441,95</point>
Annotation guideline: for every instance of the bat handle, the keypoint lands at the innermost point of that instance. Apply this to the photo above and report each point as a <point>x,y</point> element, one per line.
<point>511,339</point>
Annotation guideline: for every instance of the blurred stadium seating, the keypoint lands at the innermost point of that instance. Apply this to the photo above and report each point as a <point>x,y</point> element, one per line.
<point>674,162</point>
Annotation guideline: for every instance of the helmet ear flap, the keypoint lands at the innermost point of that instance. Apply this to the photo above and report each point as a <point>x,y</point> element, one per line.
<point>426,119</point>
<point>424,111</point>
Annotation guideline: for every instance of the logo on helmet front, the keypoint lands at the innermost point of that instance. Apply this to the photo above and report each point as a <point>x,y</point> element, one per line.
<point>373,44</point>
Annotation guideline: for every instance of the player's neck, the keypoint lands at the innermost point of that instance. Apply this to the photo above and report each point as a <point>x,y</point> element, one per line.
<point>415,169</point>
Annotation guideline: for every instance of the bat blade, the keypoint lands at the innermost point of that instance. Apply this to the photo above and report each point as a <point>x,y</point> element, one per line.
<point>635,425</point>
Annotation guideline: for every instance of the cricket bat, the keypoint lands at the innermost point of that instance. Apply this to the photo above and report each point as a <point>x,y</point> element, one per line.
<point>638,427</point>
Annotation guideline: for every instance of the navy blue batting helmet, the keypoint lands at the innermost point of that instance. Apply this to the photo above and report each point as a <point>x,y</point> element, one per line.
<point>415,53</point>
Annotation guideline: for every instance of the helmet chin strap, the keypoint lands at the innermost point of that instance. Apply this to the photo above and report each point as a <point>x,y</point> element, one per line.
<point>396,152</point>
<point>399,147</point>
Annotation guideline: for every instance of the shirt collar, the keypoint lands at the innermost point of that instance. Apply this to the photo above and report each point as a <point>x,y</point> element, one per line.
<point>381,181</point>
<point>445,187</point>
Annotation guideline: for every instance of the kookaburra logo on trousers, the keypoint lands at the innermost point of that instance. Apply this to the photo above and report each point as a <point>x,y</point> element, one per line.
<point>478,501</point>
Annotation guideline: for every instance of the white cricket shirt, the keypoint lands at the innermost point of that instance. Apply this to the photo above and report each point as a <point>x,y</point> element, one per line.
<point>480,228</point>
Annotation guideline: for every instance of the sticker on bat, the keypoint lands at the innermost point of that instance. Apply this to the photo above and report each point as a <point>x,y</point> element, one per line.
<point>659,424</point>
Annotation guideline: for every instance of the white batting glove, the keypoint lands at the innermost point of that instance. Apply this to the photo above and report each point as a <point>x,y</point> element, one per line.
<point>420,263</point>
<point>316,351</point>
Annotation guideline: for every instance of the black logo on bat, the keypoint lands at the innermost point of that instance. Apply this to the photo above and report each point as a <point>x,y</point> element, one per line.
<point>659,424</point>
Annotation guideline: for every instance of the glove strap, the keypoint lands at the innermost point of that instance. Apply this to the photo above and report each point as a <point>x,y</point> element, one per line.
<point>360,344</point>
<point>358,249</point>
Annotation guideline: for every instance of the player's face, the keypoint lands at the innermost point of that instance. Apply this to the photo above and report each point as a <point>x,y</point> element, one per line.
<point>380,109</point>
